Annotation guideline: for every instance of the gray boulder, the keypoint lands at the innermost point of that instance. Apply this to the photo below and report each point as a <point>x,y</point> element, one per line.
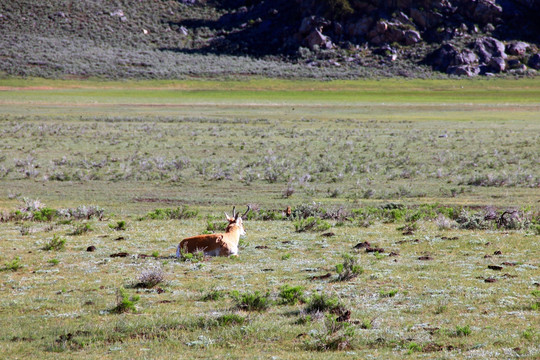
<point>518,48</point>
<point>412,37</point>
<point>488,47</point>
<point>316,38</point>
<point>497,64</point>
<point>463,70</point>
<point>449,55</point>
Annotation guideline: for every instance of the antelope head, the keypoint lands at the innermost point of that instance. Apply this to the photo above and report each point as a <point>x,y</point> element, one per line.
<point>236,220</point>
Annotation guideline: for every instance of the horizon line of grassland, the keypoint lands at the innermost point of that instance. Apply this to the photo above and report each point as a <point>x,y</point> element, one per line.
<point>498,91</point>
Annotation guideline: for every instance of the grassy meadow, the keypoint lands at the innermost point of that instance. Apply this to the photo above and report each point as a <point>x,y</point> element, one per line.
<point>414,230</point>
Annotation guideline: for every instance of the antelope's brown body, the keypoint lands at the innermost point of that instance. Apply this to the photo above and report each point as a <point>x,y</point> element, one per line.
<point>224,244</point>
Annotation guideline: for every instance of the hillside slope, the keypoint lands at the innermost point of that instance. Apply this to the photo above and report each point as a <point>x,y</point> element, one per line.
<point>302,38</point>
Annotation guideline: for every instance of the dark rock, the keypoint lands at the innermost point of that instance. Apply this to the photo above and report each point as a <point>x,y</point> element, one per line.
<point>487,11</point>
<point>120,254</point>
<point>373,250</point>
<point>361,245</point>
<point>534,62</point>
<point>488,47</point>
<point>490,280</point>
<point>361,27</point>
<point>321,277</point>
<point>518,48</point>
<point>495,267</point>
<point>449,55</point>
<point>425,257</point>
<point>497,64</point>
<point>91,248</point>
<point>514,64</point>
<point>463,70</point>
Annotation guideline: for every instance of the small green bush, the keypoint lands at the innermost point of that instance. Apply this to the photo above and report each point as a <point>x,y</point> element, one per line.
<point>230,319</point>
<point>322,303</point>
<point>336,335</point>
<point>388,293</point>
<point>56,243</point>
<point>14,264</point>
<point>44,214</point>
<point>349,269</point>
<point>311,224</point>
<point>179,213</point>
<point>119,226</point>
<point>252,301</point>
<point>81,229</point>
<point>124,303</point>
<point>213,295</point>
<point>463,330</point>
<point>291,295</point>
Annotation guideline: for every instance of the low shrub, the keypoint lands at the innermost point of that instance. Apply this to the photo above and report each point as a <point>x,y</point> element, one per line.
<point>56,243</point>
<point>179,213</point>
<point>291,295</point>
<point>336,335</point>
<point>311,224</point>
<point>13,265</point>
<point>349,269</point>
<point>124,303</point>
<point>251,301</point>
<point>151,277</point>
<point>322,303</point>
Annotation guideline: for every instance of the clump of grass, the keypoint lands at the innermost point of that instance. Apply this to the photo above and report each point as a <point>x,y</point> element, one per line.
<point>251,301</point>
<point>388,293</point>
<point>44,214</point>
<point>213,295</point>
<point>81,229</point>
<point>25,229</point>
<point>536,304</point>
<point>463,330</point>
<point>408,229</point>
<point>151,277</point>
<point>13,265</point>
<point>323,303</point>
<point>54,262</point>
<point>124,303</point>
<point>194,257</point>
<point>349,269</point>
<point>413,347</point>
<point>179,213</point>
<point>311,224</point>
<point>119,226</point>
<point>230,319</point>
<point>56,243</point>
<point>291,295</point>
<point>286,256</point>
<point>336,335</point>
<point>212,227</point>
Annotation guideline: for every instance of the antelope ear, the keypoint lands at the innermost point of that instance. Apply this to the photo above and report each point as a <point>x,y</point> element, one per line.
<point>227,217</point>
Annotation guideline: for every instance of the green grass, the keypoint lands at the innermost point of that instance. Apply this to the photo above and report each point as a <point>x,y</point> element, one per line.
<point>98,145</point>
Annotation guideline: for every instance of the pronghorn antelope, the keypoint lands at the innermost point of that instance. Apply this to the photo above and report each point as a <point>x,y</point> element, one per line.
<point>224,244</point>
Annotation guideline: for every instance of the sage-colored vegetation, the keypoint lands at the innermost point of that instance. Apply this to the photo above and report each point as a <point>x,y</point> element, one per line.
<point>422,199</point>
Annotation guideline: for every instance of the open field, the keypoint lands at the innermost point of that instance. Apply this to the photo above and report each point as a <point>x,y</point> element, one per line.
<point>421,170</point>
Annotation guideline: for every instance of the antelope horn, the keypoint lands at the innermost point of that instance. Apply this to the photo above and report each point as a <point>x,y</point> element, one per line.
<point>234,214</point>
<point>248,208</point>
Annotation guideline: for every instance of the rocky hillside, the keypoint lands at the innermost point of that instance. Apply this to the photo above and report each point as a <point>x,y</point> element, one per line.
<point>280,38</point>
